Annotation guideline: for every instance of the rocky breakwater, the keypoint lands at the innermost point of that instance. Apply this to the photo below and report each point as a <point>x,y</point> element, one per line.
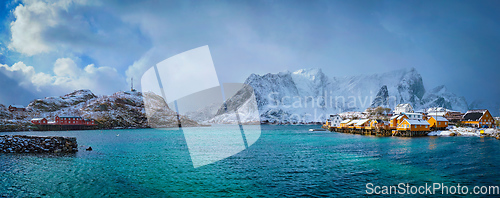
<point>37,144</point>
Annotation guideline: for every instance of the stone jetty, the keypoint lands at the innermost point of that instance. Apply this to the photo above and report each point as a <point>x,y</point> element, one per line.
<point>37,144</point>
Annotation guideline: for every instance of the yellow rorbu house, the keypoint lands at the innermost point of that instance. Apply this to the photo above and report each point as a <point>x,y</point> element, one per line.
<point>344,123</point>
<point>396,120</point>
<point>478,118</point>
<point>413,125</point>
<point>351,124</point>
<point>378,124</point>
<point>361,124</point>
<point>442,122</point>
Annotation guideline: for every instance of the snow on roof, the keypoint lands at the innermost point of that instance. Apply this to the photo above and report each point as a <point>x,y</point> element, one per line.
<point>412,113</point>
<point>18,106</point>
<point>35,119</point>
<point>474,115</point>
<point>438,109</point>
<point>70,117</point>
<point>439,113</point>
<point>352,122</point>
<point>401,117</point>
<point>361,122</point>
<point>345,121</point>
<point>477,111</point>
<point>417,122</point>
<point>394,117</point>
<point>403,105</point>
<point>439,118</point>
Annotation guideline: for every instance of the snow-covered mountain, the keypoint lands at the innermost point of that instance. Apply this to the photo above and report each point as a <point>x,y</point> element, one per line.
<point>308,95</point>
<point>50,104</point>
<point>441,97</point>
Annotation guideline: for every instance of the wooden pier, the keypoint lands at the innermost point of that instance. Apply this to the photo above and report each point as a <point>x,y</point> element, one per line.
<point>383,131</point>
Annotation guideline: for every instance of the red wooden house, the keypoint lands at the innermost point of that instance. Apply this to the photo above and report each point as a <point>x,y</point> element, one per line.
<point>13,108</point>
<point>39,121</point>
<point>64,120</point>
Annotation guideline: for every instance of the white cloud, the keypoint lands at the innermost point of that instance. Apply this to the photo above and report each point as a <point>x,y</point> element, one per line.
<point>66,67</point>
<point>32,19</point>
<point>26,75</point>
<point>68,77</point>
<point>69,28</point>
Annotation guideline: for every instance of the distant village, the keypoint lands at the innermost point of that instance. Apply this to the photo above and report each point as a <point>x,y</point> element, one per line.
<point>404,121</point>
<point>58,123</point>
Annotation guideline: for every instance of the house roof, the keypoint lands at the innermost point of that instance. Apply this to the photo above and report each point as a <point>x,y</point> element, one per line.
<point>472,116</point>
<point>70,117</point>
<point>333,117</point>
<point>378,120</point>
<point>439,113</point>
<point>404,105</point>
<point>18,106</point>
<point>352,122</point>
<point>35,119</point>
<point>412,113</point>
<point>394,117</point>
<point>361,122</point>
<point>477,111</point>
<point>417,122</point>
<point>345,121</point>
<point>439,118</point>
<point>401,117</point>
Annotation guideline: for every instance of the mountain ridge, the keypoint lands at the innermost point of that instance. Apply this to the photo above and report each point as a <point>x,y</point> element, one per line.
<point>301,95</point>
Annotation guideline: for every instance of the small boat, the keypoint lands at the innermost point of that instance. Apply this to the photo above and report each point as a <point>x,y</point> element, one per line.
<point>317,129</point>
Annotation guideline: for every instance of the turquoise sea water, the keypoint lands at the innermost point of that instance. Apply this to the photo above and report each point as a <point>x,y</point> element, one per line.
<point>285,161</point>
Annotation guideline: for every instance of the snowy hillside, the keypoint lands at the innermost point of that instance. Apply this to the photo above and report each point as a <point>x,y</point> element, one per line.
<point>4,112</point>
<point>50,104</point>
<point>308,95</point>
<point>121,109</point>
<point>205,113</point>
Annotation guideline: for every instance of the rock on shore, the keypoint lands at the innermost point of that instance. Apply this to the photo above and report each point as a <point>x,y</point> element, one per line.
<point>37,144</point>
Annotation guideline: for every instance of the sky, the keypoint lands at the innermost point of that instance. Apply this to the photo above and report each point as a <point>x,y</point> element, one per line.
<point>50,48</point>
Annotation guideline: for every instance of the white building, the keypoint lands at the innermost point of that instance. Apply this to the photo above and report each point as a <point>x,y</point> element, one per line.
<point>414,116</point>
<point>335,120</point>
<point>403,108</point>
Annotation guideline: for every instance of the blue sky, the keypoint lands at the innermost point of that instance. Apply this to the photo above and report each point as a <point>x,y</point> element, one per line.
<point>51,48</point>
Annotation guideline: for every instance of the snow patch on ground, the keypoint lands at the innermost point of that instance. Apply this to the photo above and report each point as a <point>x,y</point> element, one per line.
<point>465,131</point>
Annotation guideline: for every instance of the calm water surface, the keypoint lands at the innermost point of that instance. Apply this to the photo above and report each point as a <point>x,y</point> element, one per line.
<point>285,161</point>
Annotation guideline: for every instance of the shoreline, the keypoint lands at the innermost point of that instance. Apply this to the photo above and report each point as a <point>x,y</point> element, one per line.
<point>454,131</point>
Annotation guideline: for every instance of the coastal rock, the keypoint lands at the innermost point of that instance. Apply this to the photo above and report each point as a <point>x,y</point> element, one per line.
<point>37,144</point>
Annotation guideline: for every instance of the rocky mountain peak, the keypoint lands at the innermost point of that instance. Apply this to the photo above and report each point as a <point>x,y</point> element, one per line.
<point>83,94</point>
<point>382,98</point>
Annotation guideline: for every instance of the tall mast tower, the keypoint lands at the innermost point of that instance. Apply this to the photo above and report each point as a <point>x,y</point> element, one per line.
<point>132,84</point>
